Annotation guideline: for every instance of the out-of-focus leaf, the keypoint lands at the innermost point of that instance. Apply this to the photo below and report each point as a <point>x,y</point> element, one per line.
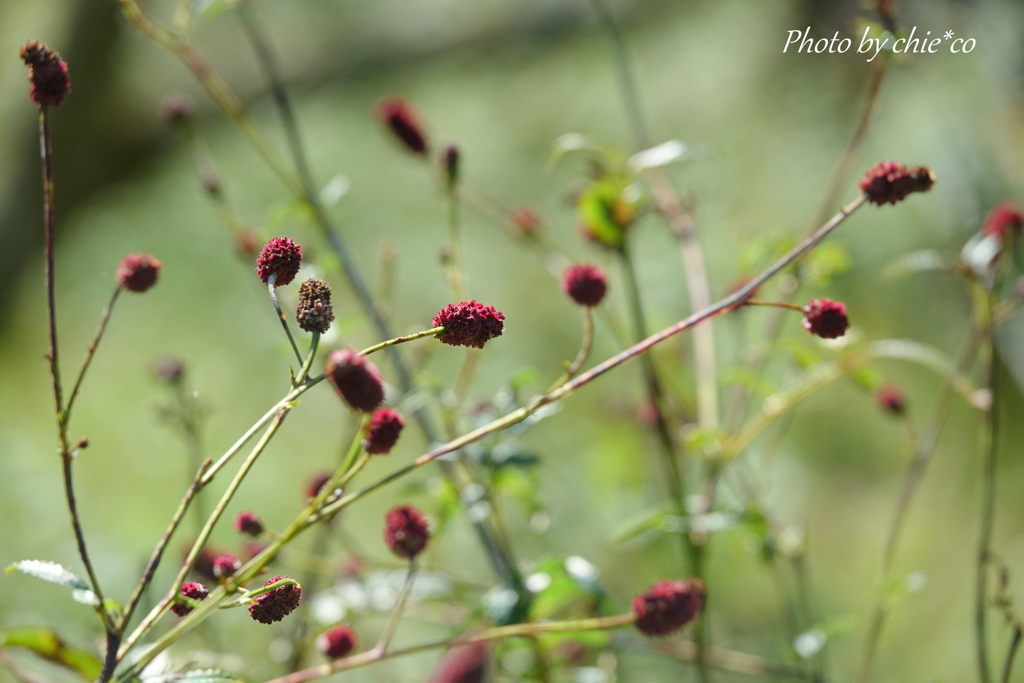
<point>524,378</point>
<point>336,188</point>
<point>762,250</point>
<point>922,261</point>
<point>646,520</point>
<point>928,357</point>
<point>199,676</point>
<point>800,351</point>
<point>823,263</point>
<point>207,10</point>
<point>867,377</point>
<point>46,644</point>
<point>577,142</point>
<point>605,211</point>
<point>448,505</point>
<point>284,212</point>
<point>747,379</point>
<point>654,157</point>
<point>701,441</point>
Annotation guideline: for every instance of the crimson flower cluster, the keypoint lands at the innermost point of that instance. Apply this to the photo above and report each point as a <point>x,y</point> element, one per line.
<point>277,604</point>
<point>338,642</point>
<point>469,323</point>
<point>191,589</point>
<point>406,531</point>
<point>47,73</point>
<point>282,256</point>
<point>383,432</point>
<point>138,272</point>
<point>889,183</point>
<point>668,606</point>
<point>826,318</point>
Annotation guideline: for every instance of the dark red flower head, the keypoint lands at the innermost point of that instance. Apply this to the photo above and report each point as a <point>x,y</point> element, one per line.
<point>385,428</point>
<point>406,531</point>
<point>891,399</point>
<point>526,220</point>
<point>47,72</point>
<point>826,318</point>
<point>315,312</point>
<point>203,567</point>
<point>888,182</point>
<point>463,664</point>
<point>668,606</point>
<point>356,379</point>
<point>138,272</point>
<point>469,324</point>
<point>282,256</point>
<point>585,283</point>
<point>277,604</point>
<point>396,114</point>
<point>1003,218</point>
<point>191,589</point>
<point>249,524</point>
<point>225,566</point>
<point>316,483</point>
<point>338,642</point>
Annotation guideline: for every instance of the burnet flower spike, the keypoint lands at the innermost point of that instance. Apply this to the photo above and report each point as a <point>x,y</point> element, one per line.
<point>469,323</point>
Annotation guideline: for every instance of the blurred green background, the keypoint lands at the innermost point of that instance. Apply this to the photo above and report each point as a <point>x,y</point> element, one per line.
<point>504,79</point>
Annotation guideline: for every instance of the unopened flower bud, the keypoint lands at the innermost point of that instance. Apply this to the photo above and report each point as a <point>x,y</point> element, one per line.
<point>338,642</point>
<point>466,663</point>
<point>356,379</point>
<point>450,164</point>
<point>383,432</point>
<point>1004,218</point>
<point>891,399</point>
<point>225,566</point>
<point>249,524</point>
<point>47,73</point>
<point>668,606</point>
<point>397,115</point>
<point>177,108</point>
<point>191,589</point>
<point>585,283</point>
<point>826,318</point>
<point>889,183</point>
<point>406,531</point>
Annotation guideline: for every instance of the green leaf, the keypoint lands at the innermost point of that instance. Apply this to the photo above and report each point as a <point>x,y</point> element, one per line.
<point>198,676</point>
<point>658,156</point>
<point>46,644</point>
<point>606,208</point>
<point>646,520</point>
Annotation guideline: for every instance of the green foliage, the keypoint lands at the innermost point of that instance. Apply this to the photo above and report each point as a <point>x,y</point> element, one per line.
<point>198,676</point>
<point>46,644</point>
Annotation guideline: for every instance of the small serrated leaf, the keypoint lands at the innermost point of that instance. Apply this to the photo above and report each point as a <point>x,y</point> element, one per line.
<point>49,571</point>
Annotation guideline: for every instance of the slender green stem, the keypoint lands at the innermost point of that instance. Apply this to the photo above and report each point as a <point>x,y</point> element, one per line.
<point>165,604</point>
<point>456,275</point>
<point>433,331</point>
<point>988,507</point>
<point>581,356</point>
<point>1011,653</point>
<point>271,281</point>
<point>104,318</point>
<point>396,612</point>
<point>154,560</point>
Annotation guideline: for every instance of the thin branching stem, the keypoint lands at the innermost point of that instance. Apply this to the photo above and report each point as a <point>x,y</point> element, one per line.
<point>91,350</point>
<point>272,289</point>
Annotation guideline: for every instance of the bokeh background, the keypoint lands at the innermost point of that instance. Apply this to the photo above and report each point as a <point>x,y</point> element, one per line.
<point>504,79</point>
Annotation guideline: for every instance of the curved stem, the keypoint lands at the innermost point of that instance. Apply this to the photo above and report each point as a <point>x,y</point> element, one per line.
<point>396,612</point>
<point>104,318</point>
<point>433,331</point>
<point>988,507</point>
<point>280,315</point>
